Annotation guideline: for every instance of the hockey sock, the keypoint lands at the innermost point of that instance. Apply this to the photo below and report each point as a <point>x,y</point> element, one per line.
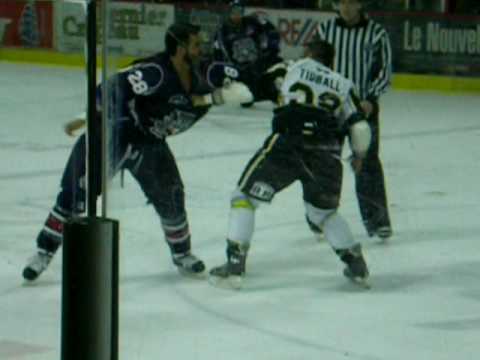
<point>177,234</point>
<point>51,236</point>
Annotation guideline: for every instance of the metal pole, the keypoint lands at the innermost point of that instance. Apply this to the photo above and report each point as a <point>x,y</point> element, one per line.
<point>92,136</point>
<point>106,113</point>
<point>446,8</point>
<point>407,5</point>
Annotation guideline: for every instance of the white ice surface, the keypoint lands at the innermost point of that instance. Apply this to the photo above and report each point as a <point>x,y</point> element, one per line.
<point>425,300</point>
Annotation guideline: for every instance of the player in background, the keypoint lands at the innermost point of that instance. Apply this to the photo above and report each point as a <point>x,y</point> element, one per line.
<point>320,109</point>
<point>252,44</point>
<point>157,97</point>
<point>364,56</point>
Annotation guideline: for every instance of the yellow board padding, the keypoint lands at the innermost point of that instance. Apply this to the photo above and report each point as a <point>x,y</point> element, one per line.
<point>48,57</point>
<point>451,84</point>
<point>414,82</point>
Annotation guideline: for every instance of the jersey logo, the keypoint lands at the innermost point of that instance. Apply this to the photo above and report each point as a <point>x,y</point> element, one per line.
<point>178,100</point>
<point>262,191</point>
<point>244,51</point>
<point>173,123</point>
<point>231,72</point>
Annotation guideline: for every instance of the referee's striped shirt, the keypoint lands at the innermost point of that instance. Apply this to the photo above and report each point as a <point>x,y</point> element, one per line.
<point>362,54</point>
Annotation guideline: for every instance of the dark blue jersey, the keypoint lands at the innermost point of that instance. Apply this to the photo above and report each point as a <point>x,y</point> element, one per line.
<point>149,98</point>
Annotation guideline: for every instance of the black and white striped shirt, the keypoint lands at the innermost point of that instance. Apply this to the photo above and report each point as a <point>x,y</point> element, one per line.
<point>362,54</point>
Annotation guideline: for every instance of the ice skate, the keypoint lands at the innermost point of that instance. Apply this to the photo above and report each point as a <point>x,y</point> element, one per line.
<point>356,270</point>
<point>189,265</point>
<point>230,275</point>
<point>384,233</point>
<point>36,265</point>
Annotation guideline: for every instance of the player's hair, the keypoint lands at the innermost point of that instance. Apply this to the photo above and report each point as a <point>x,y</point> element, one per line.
<point>321,51</point>
<point>364,3</point>
<point>179,35</point>
<point>236,3</point>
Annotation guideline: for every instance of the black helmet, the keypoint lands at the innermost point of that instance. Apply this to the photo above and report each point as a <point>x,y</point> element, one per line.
<point>236,5</point>
<point>321,51</point>
<point>364,3</point>
<point>179,34</point>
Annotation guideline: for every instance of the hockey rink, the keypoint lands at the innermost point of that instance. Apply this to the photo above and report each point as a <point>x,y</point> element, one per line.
<point>295,305</point>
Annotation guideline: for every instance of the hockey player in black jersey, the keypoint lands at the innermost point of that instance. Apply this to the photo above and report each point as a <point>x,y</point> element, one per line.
<point>320,109</point>
<point>252,45</point>
<point>157,97</point>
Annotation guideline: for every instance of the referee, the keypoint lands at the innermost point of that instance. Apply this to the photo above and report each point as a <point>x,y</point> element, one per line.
<point>363,55</point>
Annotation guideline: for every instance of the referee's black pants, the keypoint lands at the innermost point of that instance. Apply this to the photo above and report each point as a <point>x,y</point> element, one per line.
<point>370,183</point>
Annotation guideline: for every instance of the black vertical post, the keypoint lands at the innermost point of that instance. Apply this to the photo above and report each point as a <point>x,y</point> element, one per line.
<point>115,291</point>
<point>90,290</point>
<point>93,150</point>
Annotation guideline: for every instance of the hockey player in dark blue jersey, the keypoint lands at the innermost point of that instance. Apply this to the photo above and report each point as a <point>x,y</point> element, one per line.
<point>252,44</point>
<point>156,97</point>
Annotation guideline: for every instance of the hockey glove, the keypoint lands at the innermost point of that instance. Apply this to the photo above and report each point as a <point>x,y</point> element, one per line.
<point>234,93</point>
<point>356,163</point>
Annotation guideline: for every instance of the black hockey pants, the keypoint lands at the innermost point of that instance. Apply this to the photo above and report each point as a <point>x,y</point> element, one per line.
<point>370,183</point>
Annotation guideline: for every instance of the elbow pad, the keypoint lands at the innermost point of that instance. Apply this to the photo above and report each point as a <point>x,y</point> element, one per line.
<point>360,137</point>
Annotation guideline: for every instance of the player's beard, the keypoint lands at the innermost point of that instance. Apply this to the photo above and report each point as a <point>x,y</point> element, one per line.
<point>192,61</point>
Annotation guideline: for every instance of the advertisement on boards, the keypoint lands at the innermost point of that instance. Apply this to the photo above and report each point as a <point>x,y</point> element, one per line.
<point>443,45</point>
<point>295,27</point>
<point>27,24</point>
<point>134,29</point>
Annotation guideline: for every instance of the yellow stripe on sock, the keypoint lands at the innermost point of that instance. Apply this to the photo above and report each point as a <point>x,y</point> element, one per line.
<point>242,204</point>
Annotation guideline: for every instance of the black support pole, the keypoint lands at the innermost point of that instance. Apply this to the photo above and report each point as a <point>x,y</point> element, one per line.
<point>89,290</point>
<point>93,150</point>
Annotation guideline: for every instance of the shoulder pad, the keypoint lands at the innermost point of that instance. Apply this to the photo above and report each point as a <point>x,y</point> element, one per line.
<point>146,78</point>
<point>218,72</point>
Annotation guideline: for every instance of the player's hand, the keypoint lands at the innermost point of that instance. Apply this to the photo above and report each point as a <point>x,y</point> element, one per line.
<point>278,72</point>
<point>71,128</point>
<point>367,107</point>
<point>234,93</point>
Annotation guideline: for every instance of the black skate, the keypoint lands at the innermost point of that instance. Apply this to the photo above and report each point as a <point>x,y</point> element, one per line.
<point>356,270</point>
<point>36,265</point>
<point>230,275</point>
<point>189,265</point>
<point>384,233</point>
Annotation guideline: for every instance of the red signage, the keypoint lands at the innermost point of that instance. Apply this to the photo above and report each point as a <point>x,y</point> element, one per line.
<point>26,24</point>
